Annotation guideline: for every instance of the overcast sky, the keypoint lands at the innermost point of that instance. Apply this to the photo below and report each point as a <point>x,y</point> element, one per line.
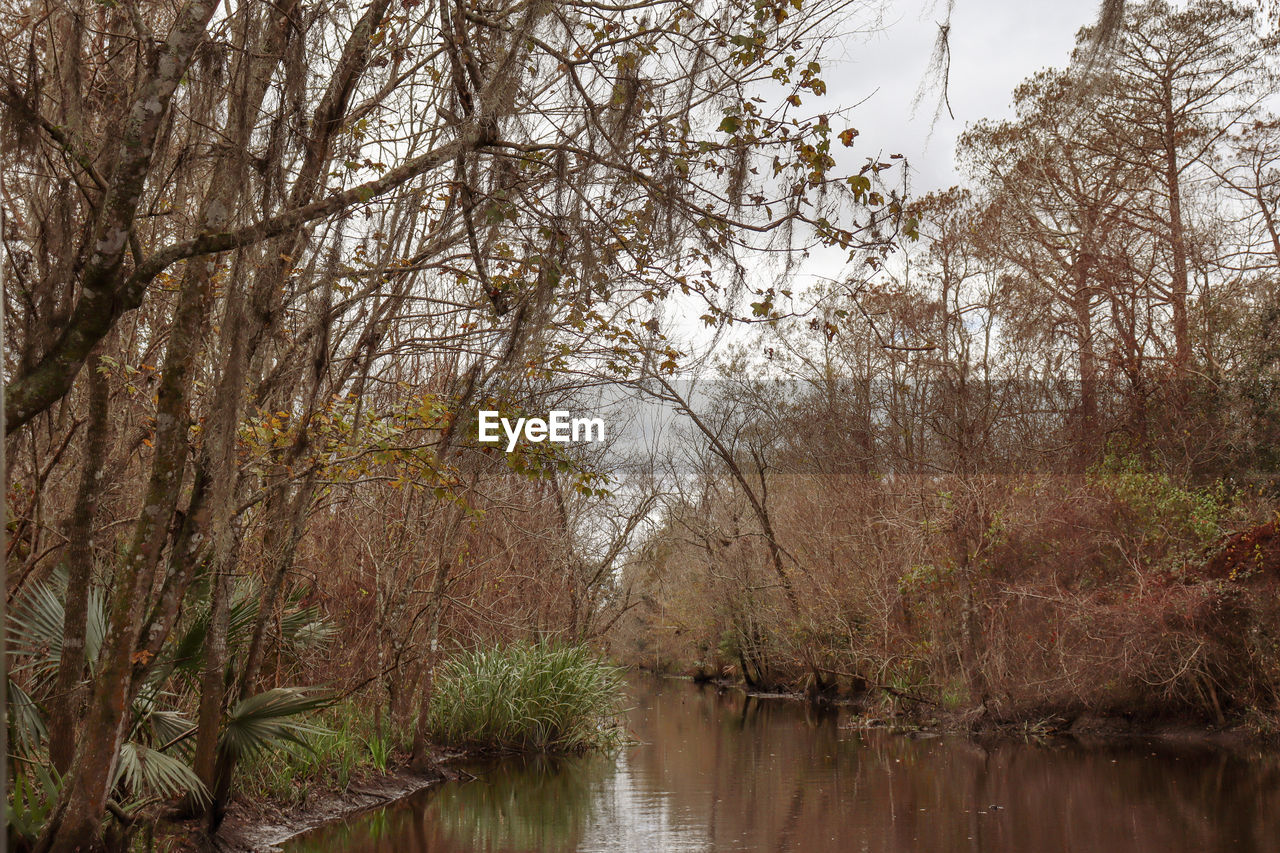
<point>995,44</point>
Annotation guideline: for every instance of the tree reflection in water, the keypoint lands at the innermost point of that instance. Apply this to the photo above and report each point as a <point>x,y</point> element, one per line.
<point>719,771</point>
<point>542,803</point>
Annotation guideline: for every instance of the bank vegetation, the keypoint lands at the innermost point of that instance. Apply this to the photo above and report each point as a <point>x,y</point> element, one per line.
<point>1024,473</point>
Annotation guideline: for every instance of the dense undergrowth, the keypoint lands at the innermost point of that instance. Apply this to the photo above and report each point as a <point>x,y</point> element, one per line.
<point>349,742</point>
<point>527,697</point>
<point>535,697</point>
<point>1015,599</point>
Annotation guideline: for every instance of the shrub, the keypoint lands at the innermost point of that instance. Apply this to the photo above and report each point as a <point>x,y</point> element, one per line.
<point>527,697</point>
<point>345,743</point>
<point>1160,509</point>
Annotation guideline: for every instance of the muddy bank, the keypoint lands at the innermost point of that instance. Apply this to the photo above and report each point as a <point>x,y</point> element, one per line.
<point>264,826</point>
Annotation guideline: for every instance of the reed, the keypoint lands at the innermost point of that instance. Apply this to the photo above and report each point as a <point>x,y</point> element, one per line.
<point>527,697</point>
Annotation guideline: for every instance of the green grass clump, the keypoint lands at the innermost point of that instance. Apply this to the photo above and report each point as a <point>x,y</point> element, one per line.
<point>347,744</point>
<point>527,697</point>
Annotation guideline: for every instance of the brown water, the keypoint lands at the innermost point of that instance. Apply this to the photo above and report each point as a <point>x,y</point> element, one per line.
<point>720,771</point>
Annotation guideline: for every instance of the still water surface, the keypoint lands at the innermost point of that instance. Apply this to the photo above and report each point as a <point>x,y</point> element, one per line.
<point>720,771</point>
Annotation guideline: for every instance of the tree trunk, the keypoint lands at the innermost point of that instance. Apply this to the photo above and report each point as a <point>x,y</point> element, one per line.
<point>1178,286</point>
<point>1086,362</point>
<point>124,659</point>
<point>68,692</point>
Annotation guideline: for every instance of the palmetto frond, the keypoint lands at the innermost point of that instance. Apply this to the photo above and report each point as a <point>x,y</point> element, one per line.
<point>36,626</point>
<point>144,770</point>
<point>170,726</point>
<point>306,628</point>
<point>268,720</point>
<point>185,653</point>
<point>301,628</point>
<point>26,721</point>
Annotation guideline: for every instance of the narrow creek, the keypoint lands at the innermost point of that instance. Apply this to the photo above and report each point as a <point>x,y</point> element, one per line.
<point>718,770</point>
